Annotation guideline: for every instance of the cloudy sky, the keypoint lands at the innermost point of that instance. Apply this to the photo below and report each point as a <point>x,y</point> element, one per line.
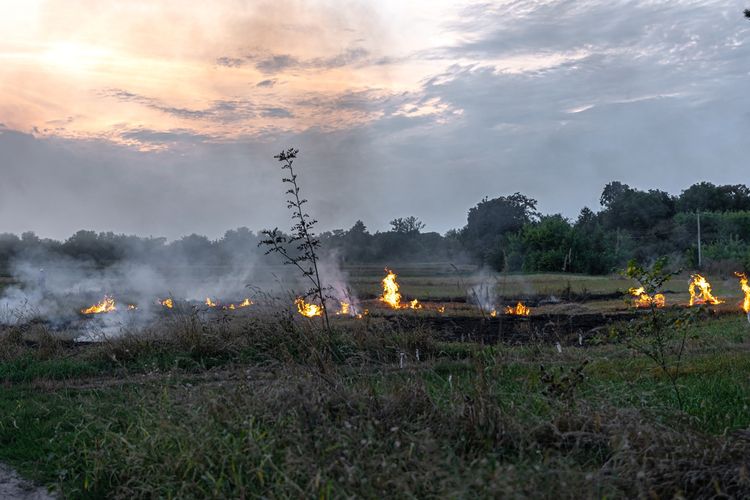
<point>162,117</point>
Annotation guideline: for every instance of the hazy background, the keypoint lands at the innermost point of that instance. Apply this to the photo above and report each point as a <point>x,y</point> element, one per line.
<point>161,118</point>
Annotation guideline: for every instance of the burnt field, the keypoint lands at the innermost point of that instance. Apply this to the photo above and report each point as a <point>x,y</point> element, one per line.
<point>521,385</point>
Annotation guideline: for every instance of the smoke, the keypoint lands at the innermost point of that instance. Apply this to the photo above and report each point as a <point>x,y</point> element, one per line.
<point>337,280</point>
<point>54,288</point>
<point>484,292</point>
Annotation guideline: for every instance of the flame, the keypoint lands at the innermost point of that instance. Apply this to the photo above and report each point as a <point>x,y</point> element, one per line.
<point>414,304</point>
<point>441,309</point>
<point>519,310</point>
<point>493,313</point>
<point>132,307</point>
<point>746,291</point>
<point>705,296</point>
<point>106,305</point>
<point>306,309</point>
<point>168,303</point>
<point>345,309</point>
<point>390,290</point>
<point>210,303</point>
<point>642,299</point>
<point>361,315</point>
<point>232,307</point>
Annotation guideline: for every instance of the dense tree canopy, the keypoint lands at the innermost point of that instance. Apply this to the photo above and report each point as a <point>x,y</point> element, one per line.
<point>505,233</point>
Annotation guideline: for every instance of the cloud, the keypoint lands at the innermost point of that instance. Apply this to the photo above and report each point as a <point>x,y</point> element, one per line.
<point>279,63</point>
<point>266,83</point>
<point>276,113</point>
<point>222,110</point>
<point>229,62</point>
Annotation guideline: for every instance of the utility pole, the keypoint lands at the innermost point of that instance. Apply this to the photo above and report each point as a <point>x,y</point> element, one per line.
<point>700,257</point>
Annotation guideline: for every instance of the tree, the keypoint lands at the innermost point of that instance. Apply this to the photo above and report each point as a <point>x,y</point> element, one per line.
<point>612,192</point>
<point>408,225</point>
<point>747,13</point>
<point>707,197</point>
<point>491,220</point>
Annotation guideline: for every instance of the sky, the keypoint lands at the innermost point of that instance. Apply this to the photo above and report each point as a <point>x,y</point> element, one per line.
<point>162,117</point>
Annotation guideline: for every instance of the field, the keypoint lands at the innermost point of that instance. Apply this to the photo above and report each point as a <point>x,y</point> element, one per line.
<point>267,404</point>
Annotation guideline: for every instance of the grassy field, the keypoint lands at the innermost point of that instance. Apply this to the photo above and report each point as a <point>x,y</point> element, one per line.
<point>274,407</point>
<point>444,283</point>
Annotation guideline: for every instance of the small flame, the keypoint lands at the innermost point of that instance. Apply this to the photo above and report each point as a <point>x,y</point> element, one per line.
<point>704,291</point>
<point>414,304</point>
<point>106,305</point>
<point>493,313</point>
<point>746,291</point>
<point>642,299</point>
<point>441,309</point>
<point>232,307</point>
<point>210,303</point>
<point>345,308</point>
<point>364,313</point>
<point>390,290</point>
<point>132,307</point>
<point>168,303</point>
<point>519,310</point>
<point>306,309</point>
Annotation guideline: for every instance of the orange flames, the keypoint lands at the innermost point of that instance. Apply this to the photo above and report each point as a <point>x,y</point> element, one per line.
<point>306,309</point>
<point>391,295</point>
<point>244,303</point>
<point>210,303</point>
<point>745,290</point>
<point>518,310</point>
<point>390,290</point>
<point>441,309</point>
<point>105,306</point>
<point>642,299</point>
<point>493,313</point>
<point>704,295</point>
<point>168,303</point>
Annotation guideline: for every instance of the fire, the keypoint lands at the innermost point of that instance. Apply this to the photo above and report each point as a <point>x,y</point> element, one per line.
<point>642,299</point>
<point>132,307</point>
<point>745,290</point>
<point>391,295</point>
<point>390,291</point>
<point>704,293</point>
<point>232,307</point>
<point>106,305</point>
<point>210,303</point>
<point>345,309</point>
<point>493,313</point>
<point>168,303</point>
<point>306,309</point>
<point>441,309</point>
<point>519,310</point>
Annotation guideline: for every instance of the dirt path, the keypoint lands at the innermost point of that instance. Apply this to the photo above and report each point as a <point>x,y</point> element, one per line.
<point>13,486</point>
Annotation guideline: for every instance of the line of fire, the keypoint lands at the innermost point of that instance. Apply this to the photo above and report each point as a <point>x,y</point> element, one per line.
<point>391,299</point>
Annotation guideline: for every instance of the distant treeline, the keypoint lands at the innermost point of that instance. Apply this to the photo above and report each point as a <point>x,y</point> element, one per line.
<point>505,233</point>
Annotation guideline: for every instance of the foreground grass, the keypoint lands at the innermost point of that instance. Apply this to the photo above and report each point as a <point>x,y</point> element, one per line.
<point>272,409</point>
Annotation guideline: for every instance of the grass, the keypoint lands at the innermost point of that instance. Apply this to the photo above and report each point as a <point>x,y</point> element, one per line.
<point>274,409</point>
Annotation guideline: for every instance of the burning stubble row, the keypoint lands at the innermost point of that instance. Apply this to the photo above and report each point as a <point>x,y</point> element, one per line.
<point>699,289</point>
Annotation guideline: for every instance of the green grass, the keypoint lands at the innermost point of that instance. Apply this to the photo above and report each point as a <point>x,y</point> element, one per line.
<point>281,410</point>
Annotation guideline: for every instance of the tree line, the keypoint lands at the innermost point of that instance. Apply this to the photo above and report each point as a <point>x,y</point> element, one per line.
<point>506,233</point>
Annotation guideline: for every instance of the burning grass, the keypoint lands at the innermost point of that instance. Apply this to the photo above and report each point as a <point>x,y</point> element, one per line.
<point>700,291</point>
